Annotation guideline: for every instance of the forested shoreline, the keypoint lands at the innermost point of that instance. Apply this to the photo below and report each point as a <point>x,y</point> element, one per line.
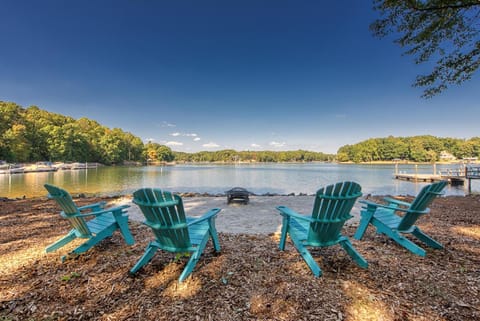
<point>425,148</point>
<point>32,134</point>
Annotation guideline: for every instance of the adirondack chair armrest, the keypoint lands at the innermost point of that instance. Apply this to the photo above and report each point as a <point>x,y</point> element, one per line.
<point>99,205</point>
<point>372,205</point>
<point>285,211</point>
<point>97,213</point>
<point>395,201</point>
<point>213,212</point>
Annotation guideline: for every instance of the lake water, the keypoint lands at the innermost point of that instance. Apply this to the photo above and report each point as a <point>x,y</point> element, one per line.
<point>216,179</point>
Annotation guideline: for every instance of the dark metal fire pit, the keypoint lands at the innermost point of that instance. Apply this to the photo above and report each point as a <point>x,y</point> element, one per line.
<point>237,194</point>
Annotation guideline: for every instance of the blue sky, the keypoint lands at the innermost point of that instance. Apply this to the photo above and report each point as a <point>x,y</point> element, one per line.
<point>210,75</point>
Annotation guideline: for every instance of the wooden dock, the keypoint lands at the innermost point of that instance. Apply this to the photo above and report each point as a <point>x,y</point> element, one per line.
<point>418,177</point>
<point>430,178</point>
<point>454,176</point>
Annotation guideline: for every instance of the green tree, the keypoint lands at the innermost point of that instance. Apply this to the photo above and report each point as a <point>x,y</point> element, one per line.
<point>165,154</point>
<point>112,146</point>
<point>134,147</point>
<point>19,146</point>
<point>93,132</point>
<point>157,152</point>
<point>392,148</point>
<point>35,120</point>
<point>66,143</point>
<point>468,149</point>
<point>442,30</point>
<point>10,114</point>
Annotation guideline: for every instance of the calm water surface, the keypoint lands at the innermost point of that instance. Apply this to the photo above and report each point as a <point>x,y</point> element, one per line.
<point>216,179</point>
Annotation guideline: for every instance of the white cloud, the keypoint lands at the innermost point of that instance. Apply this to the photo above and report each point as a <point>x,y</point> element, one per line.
<point>255,145</point>
<point>277,144</point>
<point>166,124</point>
<point>196,139</point>
<point>177,134</point>
<point>149,139</point>
<point>172,143</point>
<point>211,145</point>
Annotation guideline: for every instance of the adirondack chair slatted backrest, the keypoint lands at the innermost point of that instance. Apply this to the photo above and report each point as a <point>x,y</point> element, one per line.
<point>426,196</point>
<point>331,209</point>
<point>64,200</point>
<point>164,212</point>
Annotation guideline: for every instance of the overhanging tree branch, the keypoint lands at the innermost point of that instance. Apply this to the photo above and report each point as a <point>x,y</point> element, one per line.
<point>445,30</point>
<point>414,6</point>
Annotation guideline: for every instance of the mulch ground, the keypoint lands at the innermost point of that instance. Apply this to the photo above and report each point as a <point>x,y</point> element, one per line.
<point>249,280</point>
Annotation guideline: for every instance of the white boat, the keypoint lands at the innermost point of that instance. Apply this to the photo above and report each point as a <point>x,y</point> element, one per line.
<point>83,165</point>
<point>40,167</point>
<point>11,169</point>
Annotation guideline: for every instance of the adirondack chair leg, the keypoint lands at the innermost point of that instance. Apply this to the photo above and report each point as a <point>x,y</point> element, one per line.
<point>362,227</point>
<point>348,247</point>
<point>213,234</point>
<point>406,243</point>
<point>94,240</point>
<point>193,259</point>
<point>146,257</point>
<point>308,258</point>
<point>283,236</point>
<point>122,222</point>
<point>61,242</point>
<point>128,237</point>
<point>426,239</point>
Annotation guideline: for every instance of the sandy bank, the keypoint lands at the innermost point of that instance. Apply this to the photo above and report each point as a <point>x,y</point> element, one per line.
<point>259,216</point>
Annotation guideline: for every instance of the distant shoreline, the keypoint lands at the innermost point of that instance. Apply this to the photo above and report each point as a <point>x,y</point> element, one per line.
<point>406,162</point>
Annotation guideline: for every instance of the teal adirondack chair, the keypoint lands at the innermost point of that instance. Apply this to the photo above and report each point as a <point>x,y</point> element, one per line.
<point>331,210</point>
<point>384,218</point>
<point>105,221</point>
<point>173,230</point>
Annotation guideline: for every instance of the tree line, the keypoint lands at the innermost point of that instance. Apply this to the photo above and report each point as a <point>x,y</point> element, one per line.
<point>425,148</point>
<point>230,155</point>
<point>32,134</point>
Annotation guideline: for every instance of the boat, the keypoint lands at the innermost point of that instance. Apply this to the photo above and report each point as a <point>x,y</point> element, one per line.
<point>7,168</point>
<point>16,169</point>
<point>40,167</point>
<point>83,165</point>
<point>76,165</point>
<point>4,167</point>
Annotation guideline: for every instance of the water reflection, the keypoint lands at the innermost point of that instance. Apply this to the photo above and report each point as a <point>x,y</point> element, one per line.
<point>216,179</point>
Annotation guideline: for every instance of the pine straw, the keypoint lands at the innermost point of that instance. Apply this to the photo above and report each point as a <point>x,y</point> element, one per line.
<point>250,280</point>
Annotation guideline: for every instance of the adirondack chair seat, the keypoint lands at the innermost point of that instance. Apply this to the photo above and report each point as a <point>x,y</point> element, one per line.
<point>299,230</point>
<point>104,222</point>
<point>390,219</point>
<point>174,231</point>
<point>101,222</point>
<point>287,211</point>
<point>331,210</point>
<point>385,219</point>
